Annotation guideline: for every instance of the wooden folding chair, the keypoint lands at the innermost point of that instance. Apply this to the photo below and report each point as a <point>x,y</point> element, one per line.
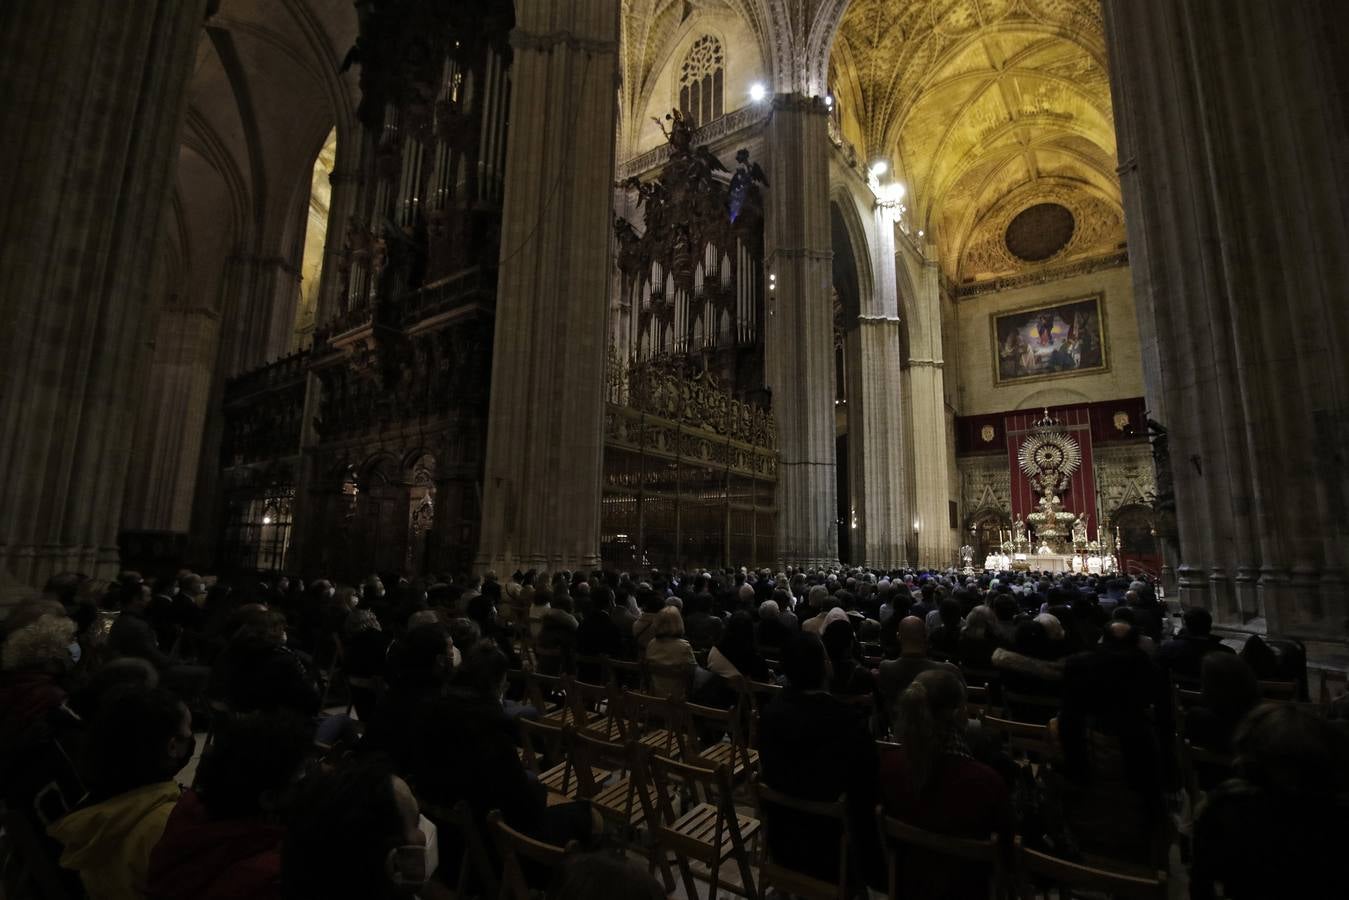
<point>1197,761</point>
<point>625,673</point>
<point>596,709</point>
<point>544,742</point>
<point>672,681</point>
<point>755,695</point>
<point>990,679</point>
<point>895,833</point>
<point>731,748</point>
<point>657,723</point>
<point>976,699</point>
<point>1063,877</point>
<point>1033,740</point>
<point>780,875</point>
<point>513,847</point>
<point>626,798</point>
<point>1186,699</point>
<point>710,831</point>
<point>1034,708</point>
<point>548,694</point>
<point>551,661</point>
<point>593,669</point>
<point>475,862</point>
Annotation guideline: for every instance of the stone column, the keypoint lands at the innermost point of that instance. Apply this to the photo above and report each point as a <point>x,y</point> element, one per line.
<point>799,337</point>
<point>1233,147</point>
<point>92,104</point>
<point>875,420</point>
<point>925,369</point>
<point>545,442</point>
<point>168,436</point>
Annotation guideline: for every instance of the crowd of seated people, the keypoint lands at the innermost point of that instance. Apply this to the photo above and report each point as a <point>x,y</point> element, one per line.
<point>104,686</point>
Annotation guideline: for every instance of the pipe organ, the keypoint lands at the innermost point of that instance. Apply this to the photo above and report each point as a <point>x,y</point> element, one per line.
<point>691,264</point>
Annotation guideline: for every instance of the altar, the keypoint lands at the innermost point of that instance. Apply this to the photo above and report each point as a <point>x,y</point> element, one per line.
<point>1052,539</point>
<point>1057,563</point>
<point>1052,562</point>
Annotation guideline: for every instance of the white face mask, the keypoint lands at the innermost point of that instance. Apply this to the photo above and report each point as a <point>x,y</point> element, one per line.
<point>413,865</point>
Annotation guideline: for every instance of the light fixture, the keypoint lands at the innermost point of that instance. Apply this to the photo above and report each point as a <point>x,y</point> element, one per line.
<point>915,526</point>
<point>891,193</point>
<point>920,232</point>
<point>757,92</point>
<point>879,168</point>
<point>772,281</point>
<point>266,520</point>
<point>829,100</point>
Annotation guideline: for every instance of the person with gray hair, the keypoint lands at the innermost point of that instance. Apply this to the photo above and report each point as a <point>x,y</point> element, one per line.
<point>773,629</point>
<point>35,658</point>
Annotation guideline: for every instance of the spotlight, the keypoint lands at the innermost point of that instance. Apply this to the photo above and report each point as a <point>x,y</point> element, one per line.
<point>757,92</point>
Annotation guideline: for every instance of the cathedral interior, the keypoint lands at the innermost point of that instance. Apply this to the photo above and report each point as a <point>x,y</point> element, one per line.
<point>328,288</point>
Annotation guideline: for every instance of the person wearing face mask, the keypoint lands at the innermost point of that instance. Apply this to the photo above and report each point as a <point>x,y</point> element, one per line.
<point>356,834</point>
<point>257,671</point>
<point>223,838</point>
<point>138,741</point>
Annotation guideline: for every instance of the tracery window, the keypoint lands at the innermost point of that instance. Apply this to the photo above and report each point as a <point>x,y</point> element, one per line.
<point>700,81</point>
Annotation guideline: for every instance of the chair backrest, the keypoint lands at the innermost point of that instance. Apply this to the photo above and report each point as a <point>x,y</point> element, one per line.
<point>476,860</point>
<point>589,753</point>
<point>779,873</point>
<point>515,847</point>
<point>1036,708</point>
<point>551,660</point>
<point>675,681</point>
<point>589,701</point>
<point>895,832</point>
<point>544,690</point>
<point>1025,736</point>
<point>1035,867</point>
<point>593,669</point>
<point>709,722</point>
<point>625,673</point>
<point>646,714</point>
<point>1187,698</point>
<point>539,741</point>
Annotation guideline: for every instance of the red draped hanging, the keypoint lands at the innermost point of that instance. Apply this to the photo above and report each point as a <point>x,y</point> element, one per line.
<point>1081,495</point>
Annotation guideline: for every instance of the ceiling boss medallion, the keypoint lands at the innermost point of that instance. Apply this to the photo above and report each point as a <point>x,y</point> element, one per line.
<point>1039,232</point>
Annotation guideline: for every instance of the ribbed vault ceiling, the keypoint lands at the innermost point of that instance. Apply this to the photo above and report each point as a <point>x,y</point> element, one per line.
<point>985,108</point>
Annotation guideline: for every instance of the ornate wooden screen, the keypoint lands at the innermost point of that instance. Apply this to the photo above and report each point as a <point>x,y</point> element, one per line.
<point>690,473</point>
<point>691,265</point>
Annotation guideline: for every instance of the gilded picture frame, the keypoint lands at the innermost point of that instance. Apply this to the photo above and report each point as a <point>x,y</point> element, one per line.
<point>1058,339</point>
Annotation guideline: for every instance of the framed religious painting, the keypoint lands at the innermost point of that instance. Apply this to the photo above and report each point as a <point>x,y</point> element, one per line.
<point>1063,338</point>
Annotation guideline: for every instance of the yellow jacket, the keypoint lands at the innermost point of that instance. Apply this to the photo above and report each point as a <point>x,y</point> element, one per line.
<point>109,843</point>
